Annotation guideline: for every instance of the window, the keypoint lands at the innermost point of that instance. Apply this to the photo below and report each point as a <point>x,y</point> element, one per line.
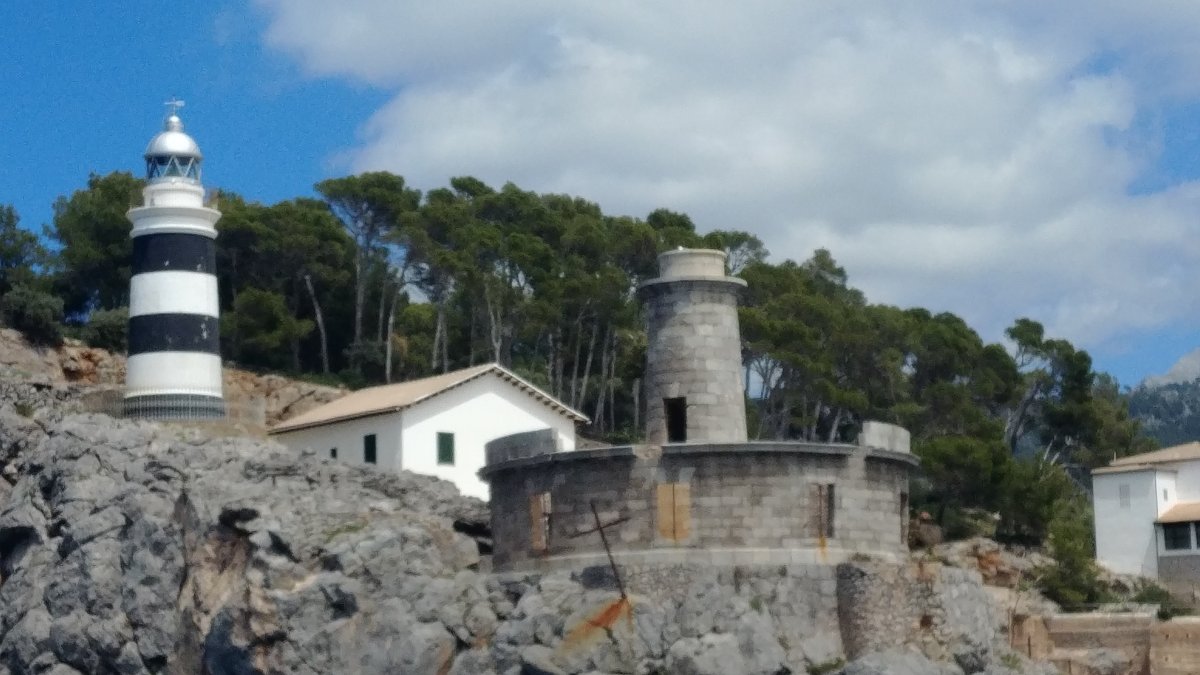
<point>333,453</point>
<point>1177,536</point>
<point>1165,495</point>
<point>821,510</point>
<point>903,516</point>
<point>445,447</point>
<point>539,522</point>
<point>1123,491</point>
<point>369,448</point>
<point>676,411</point>
<point>674,509</point>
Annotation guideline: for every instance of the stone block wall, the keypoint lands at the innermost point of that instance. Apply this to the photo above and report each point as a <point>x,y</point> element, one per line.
<point>945,611</point>
<point>752,503</point>
<point>694,351</point>
<point>1175,647</point>
<point>1180,574</point>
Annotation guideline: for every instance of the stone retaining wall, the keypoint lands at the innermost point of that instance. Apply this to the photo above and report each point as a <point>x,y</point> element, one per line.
<point>945,611</point>
<point>1175,647</point>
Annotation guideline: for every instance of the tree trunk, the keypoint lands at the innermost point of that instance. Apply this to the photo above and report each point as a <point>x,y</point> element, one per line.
<point>587,368</point>
<point>598,416</point>
<point>383,294</point>
<point>812,429</point>
<point>636,392</point>
<point>837,419</point>
<point>360,286</point>
<point>495,327</point>
<point>578,335</point>
<point>387,350</point>
<point>320,323</point>
<point>439,334</point>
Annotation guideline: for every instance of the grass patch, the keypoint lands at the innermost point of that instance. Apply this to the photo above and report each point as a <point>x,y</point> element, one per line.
<point>826,667</point>
<point>345,528</point>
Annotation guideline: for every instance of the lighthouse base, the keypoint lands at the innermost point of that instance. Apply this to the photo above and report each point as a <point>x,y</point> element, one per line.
<point>175,407</point>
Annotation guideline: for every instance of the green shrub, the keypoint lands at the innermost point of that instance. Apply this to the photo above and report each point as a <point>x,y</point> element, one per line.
<point>826,667</point>
<point>1151,593</point>
<point>108,329</point>
<point>36,314</point>
<point>1073,580</point>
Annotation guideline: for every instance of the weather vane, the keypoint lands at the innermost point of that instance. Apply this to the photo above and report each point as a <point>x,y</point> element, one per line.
<point>174,105</point>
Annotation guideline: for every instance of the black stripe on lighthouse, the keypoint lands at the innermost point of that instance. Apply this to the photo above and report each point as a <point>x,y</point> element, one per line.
<point>174,253</point>
<point>174,333</point>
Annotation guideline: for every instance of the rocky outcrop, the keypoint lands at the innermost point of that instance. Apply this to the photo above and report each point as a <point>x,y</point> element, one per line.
<point>95,379</point>
<point>134,548</point>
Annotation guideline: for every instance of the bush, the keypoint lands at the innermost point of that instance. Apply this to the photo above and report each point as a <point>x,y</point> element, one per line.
<point>36,314</point>
<point>1151,593</point>
<point>1073,581</point>
<point>108,329</point>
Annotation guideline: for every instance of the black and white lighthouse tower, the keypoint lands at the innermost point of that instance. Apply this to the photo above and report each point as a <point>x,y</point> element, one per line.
<point>174,367</point>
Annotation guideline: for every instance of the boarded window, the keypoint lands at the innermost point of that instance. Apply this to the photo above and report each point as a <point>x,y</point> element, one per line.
<point>445,447</point>
<point>1123,492</point>
<point>539,523</point>
<point>674,508</point>
<point>369,448</point>
<point>676,412</point>
<point>333,453</point>
<point>821,510</point>
<point>1177,536</point>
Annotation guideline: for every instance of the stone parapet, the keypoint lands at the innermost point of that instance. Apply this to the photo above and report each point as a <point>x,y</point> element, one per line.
<point>521,446</point>
<point>884,436</point>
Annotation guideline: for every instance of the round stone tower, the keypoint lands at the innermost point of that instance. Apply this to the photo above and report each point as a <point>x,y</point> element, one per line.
<point>694,388</point>
<point>174,367</point>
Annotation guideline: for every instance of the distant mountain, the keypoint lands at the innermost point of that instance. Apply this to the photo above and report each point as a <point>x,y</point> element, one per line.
<point>1168,410</point>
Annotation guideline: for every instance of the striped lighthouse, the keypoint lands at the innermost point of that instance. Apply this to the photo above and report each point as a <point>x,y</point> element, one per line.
<point>174,367</point>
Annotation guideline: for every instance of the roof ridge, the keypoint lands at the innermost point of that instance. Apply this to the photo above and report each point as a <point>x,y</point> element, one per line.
<point>352,403</point>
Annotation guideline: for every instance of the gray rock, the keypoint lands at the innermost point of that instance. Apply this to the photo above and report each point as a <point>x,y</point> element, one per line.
<point>896,662</point>
<point>539,660</point>
<point>712,654</point>
<point>760,648</point>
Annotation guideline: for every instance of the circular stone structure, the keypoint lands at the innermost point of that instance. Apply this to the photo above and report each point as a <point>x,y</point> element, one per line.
<point>697,492</point>
<point>694,388</point>
<point>717,503</point>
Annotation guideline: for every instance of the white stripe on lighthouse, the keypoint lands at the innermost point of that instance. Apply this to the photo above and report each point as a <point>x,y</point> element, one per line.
<point>173,293</point>
<point>173,373</point>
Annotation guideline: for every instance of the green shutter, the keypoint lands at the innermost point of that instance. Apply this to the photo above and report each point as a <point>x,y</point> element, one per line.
<point>445,447</point>
<point>369,448</point>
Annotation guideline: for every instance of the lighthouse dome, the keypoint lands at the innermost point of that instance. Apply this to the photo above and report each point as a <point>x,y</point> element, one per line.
<point>172,153</point>
<point>171,141</point>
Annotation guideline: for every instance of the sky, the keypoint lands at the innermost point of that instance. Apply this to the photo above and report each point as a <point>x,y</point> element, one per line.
<point>992,159</point>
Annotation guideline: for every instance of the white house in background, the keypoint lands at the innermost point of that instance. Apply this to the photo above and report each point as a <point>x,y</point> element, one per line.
<point>436,426</point>
<point>1147,510</point>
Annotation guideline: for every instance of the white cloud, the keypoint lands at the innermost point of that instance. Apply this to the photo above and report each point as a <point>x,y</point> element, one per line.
<point>952,155</point>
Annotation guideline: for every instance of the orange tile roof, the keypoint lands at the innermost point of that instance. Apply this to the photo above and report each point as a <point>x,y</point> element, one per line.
<point>395,397</point>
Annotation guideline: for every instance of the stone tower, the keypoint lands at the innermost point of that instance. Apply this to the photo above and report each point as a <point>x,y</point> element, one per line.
<point>694,388</point>
<point>174,368</point>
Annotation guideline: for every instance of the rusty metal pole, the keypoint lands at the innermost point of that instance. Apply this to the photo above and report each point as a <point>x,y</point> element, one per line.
<point>608,551</point>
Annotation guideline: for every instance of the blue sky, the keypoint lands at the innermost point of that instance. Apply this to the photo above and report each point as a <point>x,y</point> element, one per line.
<point>994,160</point>
<point>85,84</point>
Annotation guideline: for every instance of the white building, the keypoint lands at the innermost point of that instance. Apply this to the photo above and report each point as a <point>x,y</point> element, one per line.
<point>1147,512</point>
<point>436,426</point>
